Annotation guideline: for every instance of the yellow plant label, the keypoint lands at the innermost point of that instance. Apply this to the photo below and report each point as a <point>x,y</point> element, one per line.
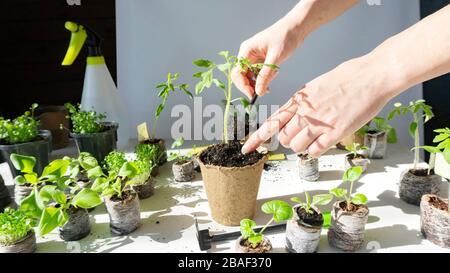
<point>142,132</point>
<point>276,157</point>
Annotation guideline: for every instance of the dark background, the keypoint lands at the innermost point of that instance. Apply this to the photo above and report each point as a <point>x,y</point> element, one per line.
<point>33,44</point>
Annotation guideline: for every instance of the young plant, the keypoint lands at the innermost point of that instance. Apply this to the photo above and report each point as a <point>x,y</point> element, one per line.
<point>416,109</point>
<point>280,210</point>
<point>79,167</point>
<point>177,155</point>
<point>14,226</point>
<point>164,90</point>
<point>20,130</point>
<point>207,79</point>
<point>84,122</point>
<point>317,200</point>
<point>443,146</point>
<point>149,152</point>
<point>351,175</point>
<point>114,161</point>
<point>379,124</point>
<point>355,149</point>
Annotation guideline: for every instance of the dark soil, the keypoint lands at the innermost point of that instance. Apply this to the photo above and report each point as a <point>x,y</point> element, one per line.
<point>126,196</point>
<point>152,141</point>
<point>352,208</point>
<point>303,156</point>
<point>3,142</point>
<point>313,219</point>
<point>358,156</point>
<point>438,203</point>
<point>229,155</point>
<point>421,172</point>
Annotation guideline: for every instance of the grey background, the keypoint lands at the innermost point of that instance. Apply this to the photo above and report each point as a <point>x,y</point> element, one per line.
<point>158,36</point>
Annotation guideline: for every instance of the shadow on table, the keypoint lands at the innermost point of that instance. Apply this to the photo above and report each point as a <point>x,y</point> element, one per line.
<point>393,236</point>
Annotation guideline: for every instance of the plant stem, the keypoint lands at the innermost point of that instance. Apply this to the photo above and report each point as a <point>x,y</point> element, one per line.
<point>416,141</point>
<point>264,228</point>
<point>349,197</point>
<point>227,106</point>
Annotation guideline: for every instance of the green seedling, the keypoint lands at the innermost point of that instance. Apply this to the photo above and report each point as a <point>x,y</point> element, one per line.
<point>355,149</point>
<point>280,211</point>
<point>207,79</point>
<point>14,226</point>
<point>351,175</point>
<point>416,109</point>
<point>164,90</point>
<point>114,161</point>
<point>379,124</point>
<point>22,129</point>
<point>84,122</point>
<point>316,200</point>
<point>176,156</point>
<point>149,152</point>
<point>443,144</point>
<point>79,167</point>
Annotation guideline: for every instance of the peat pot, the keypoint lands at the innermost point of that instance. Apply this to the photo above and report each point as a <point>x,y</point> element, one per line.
<point>435,220</point>
<point>146,189</point>
<point>243,246</point>
<point>308,167</point>
<point>25,245</point>
<point>183,170</point>
<point>124,214</point>
<point>5,198</point>
<point>21,192</point>
<point>361,160</point>
<point>303,230</point>
<point>377,144</point>
<point>77,226</point>
<point>414,183</point>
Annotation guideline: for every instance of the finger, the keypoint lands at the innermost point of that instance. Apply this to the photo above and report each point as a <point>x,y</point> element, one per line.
<point>322,144</point>
<point>242,82</point>
<point>270,127</point>
<point>303,140</point>
<point>266,75</point>
<point>291,129</point>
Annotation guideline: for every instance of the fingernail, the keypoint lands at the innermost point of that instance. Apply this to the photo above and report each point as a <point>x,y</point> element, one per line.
<point>244,150</point>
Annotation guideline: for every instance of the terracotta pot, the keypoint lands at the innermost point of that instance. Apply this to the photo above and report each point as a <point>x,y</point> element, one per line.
<point>349,140</point>
<point>25,245</point>
<point>21,192</point>
<point>146,189</point>
<point>377,144</point>
<point>50,118</point>
<point>232,191</point>
<point>361,161</point>
<point>302,237</point>
<point>347,229</point>
<point>183,171</point>
<point>124,215</point>
<point>264,247</point>
<point>434,221</point>
<point>414,186</point>
<point>78,225</point>
<point>308,168</point>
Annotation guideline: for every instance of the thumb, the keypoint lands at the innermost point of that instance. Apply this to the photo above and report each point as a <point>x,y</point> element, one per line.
<point>266,75</point>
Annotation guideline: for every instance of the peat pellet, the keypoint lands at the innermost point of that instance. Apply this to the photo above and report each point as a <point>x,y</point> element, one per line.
<point>183,171</point>
<point>243,246</point>
<point>77,226</point>
<point>124,214</point>
<point>300,236</point>
<point>377,143</point>
<point>361,161</point>
<point>146,189</point>
<point>415,183</point>
<point>25,245</point>
<point>435,220</point>
<point>308,168</point>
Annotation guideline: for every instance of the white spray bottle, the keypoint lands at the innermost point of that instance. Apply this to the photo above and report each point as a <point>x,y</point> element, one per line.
<point>99,91</point>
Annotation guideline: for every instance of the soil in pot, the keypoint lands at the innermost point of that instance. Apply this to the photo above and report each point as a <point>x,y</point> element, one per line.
<point>377,144</point>
<point>51,117</point>
<point>231,181</point>
<point>124,214</point>
<point>5,198</point>
<point>99,144</point>
<point>244,246</point>
<point>435,220</point>
<point>348,225</point>
<point>146,189</point>
<point>183,170</point>
<point>162,144</point>
<point>360,160</point>
<point>39,149</point>
<point>414,183</point>
<point>21,192</point>
<point>78,225</point>
<point>25,245</point>
<point>303,230</point>
<point>308,167</point>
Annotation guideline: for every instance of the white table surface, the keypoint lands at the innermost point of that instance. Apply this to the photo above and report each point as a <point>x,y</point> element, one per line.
<point>168,216</point>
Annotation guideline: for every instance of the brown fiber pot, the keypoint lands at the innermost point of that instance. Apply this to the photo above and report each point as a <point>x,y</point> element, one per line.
<point>435,222</point>
<point>232,191</point>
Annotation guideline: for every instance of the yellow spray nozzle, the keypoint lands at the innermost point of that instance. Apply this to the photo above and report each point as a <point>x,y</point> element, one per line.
<point>77,39</point>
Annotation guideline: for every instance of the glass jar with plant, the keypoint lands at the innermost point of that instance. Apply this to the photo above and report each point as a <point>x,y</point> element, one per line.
<point>91,132</point>
<point>304,229</point>
<point>22,135</point>
<point>122,202</point>
<point>357,156</point>
<point>183,167</point>
<point>417,181</point>
<point>228,174</point>
<point>16,232</point>
<point>251,241</point>
<point>308,167</point>
<point>349,215</point>
<point>377,133</point>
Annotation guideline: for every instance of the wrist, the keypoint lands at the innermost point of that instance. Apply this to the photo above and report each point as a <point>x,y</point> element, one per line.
<point>295,22</point>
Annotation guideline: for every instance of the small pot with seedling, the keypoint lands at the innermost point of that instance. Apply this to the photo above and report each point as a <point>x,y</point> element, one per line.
<point>122,202</point>
<point>255,242</point>
<point>16,232</point>
<point>308,167</point>
<point>91,133</point>
<point>349,216</point>
<point>59,202</point>
<point>303,230</point>
<point>79,168</point>
<point>434,210</point>
<point>22,136</point>
<point>183,166</point>
<point>416,182</point>
<point>377,134</point>
<point>5,198</point>
<point>231,178</point>
<point>356,157</point>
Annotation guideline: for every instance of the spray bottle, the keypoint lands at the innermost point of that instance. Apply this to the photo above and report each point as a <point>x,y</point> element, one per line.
<point>99,91</point>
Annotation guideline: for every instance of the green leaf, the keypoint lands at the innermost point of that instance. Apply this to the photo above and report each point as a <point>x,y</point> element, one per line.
<point>440,138</point>
<point>391,135</point>
<point>246,227</point>
<point>225,54</point>
<point>86,199</point>
<point>31,178</point>
<point>326,219</point>
<point>56,169</point>
<point>446,154</point>
<point>50,219</point>
<point>178,143</point>
<point>95,173</point>
<point>100,184</point>
<point>219,83</point>
<point>224,67</point>
<point>129,170</point>
<point>359,199</point>
<point>23,163</point>
<point>352,174</point>
<point>430,149</point>
<point>32,205</point>
<point>87,161</point>
<point>199,87</point>
<point>159,110</point>
<point>279,209</point>
<point>296,200</point>
<point>322,199</point>
<point>203,63</point>
<point>338,192</point>
<point>413,128</point>
<point>197,75</point>
<point>255,239</point>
